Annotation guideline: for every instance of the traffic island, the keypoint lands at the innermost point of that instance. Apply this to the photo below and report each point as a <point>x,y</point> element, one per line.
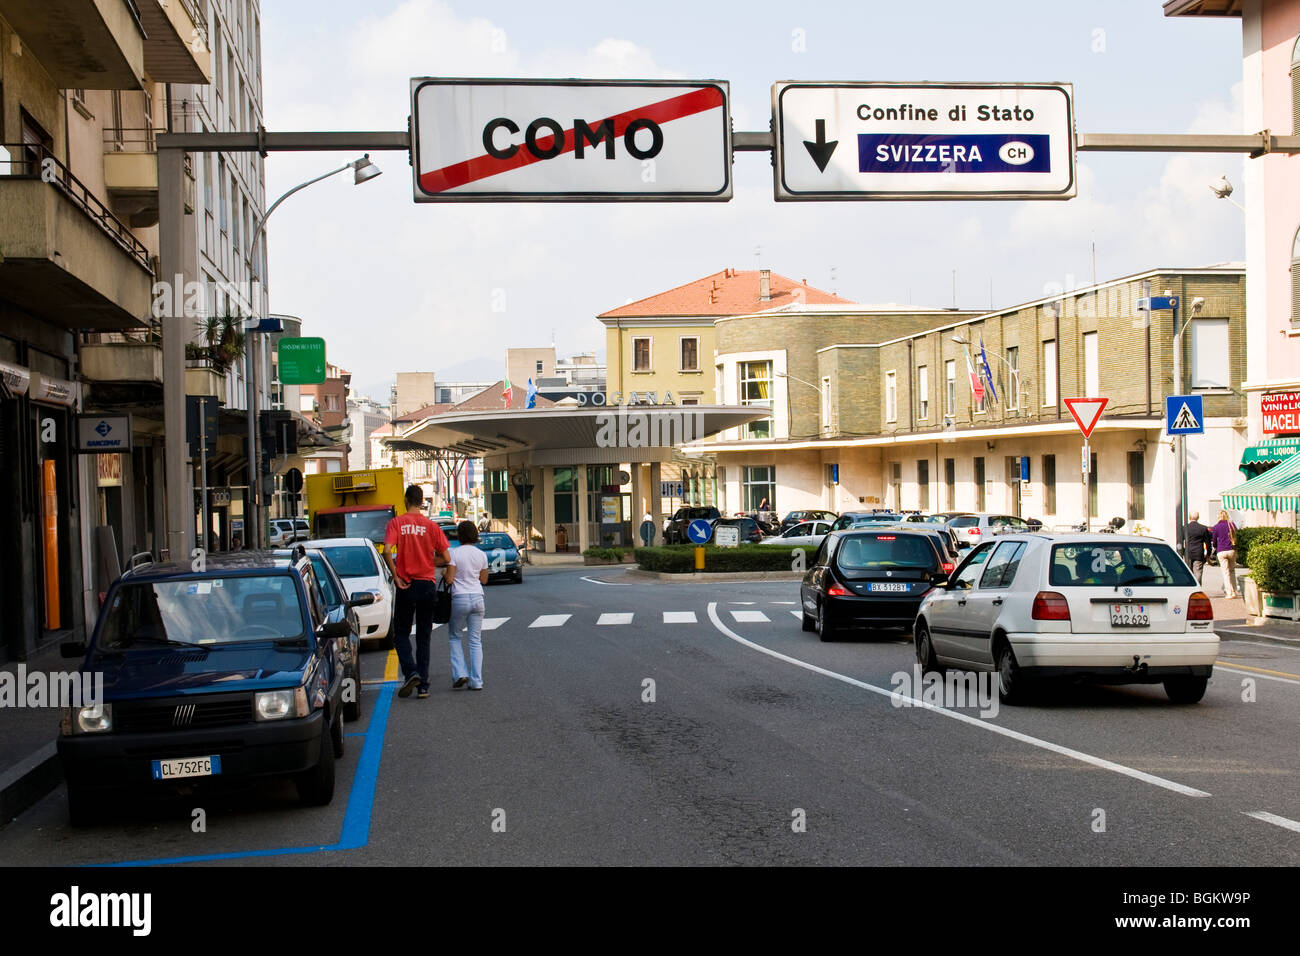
<point>683,559</point>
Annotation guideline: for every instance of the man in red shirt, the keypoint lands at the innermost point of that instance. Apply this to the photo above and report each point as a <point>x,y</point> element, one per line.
<point>421,549</point>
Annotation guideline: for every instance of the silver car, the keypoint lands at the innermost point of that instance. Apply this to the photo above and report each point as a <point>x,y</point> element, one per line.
<point>975,529</point>
<point>804,534</point>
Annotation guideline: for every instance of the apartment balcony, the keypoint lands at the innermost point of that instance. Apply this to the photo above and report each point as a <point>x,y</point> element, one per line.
<point>123,374</point>
<point>176,41</point>
<point>83,44</point>
<point>131,174</point>
<point>63,255</point>
<point>201,378</point>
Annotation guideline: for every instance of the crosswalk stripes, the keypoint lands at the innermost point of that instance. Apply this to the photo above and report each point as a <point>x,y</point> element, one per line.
<point>492,623</point>
<point>749,617</point>
<point>679,617</point>
<point>551,620</point>
<point>798,614</point>
<point>615,618</point>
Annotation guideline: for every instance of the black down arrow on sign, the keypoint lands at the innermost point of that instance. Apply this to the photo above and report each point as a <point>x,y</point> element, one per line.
<point>821,150</point>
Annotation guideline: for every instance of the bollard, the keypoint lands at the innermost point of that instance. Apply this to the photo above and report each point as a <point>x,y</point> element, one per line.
<point>699,559</point>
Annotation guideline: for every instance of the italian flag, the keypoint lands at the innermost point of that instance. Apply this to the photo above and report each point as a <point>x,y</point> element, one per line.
<point>507,393</point>
<point>976,385</point>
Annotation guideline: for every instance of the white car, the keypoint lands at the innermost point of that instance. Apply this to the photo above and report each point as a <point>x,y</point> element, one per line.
<point>804,534</point>
<point>356,561</point>
<point>287,531</point>
<point>972,529</point>
<point>1105,608</point>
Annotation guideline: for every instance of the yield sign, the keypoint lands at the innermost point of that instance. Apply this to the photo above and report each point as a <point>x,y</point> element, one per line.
<point>1086,412</point>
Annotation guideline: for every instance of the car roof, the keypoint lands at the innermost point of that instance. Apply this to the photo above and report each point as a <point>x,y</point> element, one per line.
<point>238,562</point>
<point>337,543</point>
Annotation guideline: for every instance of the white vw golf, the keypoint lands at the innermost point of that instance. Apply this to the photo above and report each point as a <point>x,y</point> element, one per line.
<point>1105,608</point>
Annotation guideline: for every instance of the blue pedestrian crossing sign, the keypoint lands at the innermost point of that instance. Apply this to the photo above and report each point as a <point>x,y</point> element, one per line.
<point>1184,415</point>
<point>699,530</point>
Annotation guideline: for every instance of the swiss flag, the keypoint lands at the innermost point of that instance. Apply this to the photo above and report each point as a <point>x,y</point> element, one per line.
<point>1086,412</point>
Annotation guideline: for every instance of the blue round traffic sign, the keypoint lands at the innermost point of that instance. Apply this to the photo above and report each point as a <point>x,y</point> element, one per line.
<point>699,530</point>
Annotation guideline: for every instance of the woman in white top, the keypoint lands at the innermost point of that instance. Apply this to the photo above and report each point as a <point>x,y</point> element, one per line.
<point>468,572</point>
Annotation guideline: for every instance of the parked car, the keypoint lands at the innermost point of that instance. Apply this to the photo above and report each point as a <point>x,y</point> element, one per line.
<point>942,520</point>
<point>503,556</point>
<point>362,569</point>
<point>211,678</point>
<point>675,527</point>
<point>861,519</point>
<point>972,529</point>
<point>805,534</point>
<point>1105,608</point>
<point>337,596</point>
<point>799,517</point>
<point>870,577</point>
<point>285,531</point>
<point>751,532</point>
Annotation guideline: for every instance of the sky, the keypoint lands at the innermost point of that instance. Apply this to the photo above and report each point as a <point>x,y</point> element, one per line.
<point>394,285</point>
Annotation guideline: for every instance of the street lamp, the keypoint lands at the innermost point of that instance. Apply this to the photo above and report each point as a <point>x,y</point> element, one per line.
<point>1223,189</point>
<point>363,170</point>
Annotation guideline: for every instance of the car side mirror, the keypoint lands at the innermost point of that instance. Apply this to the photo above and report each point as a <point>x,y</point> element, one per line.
<point>361,599</point>
<point>332,629</point>
<point>71,649</point>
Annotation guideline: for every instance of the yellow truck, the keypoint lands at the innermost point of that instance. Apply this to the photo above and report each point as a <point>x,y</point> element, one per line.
<point>354,504</point>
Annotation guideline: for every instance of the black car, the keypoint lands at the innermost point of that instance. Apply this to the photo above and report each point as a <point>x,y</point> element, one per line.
<point>211,678</point>
<point>861,519</point>
<point>751,532</point>
<point>943,540</point>
<point>870,577</point>
<point>675,528</point>
<point>799,517</point>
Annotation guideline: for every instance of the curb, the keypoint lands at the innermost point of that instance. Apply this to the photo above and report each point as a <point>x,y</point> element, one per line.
<point>716,576</point>
<point>28,781</point>
<point>1247,631</point>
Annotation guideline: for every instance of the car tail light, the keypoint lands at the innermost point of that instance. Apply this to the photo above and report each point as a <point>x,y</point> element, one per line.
<point>1050,606</point>
<point>1199,607</point>
<point>837,590</point>
<point>948,567</point>
<point>975,532</point>
<point>886,537</point>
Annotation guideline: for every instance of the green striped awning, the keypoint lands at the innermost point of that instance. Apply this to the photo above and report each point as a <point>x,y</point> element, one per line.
<point>1277,489</point>
<point>1265,454</point>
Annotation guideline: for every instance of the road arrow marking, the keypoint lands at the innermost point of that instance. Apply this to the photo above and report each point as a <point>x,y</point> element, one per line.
<point>821,150</point>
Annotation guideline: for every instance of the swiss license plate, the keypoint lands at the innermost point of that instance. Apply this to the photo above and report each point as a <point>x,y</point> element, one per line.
<point>1129,615</point>
<point>888,586</point>
<point>186,767</point>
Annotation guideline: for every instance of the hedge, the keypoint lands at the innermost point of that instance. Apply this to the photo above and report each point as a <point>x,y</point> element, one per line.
<point>1252,537</point>
<point>606,554</point>
<point>680,558</point>
<point>1277,566</point>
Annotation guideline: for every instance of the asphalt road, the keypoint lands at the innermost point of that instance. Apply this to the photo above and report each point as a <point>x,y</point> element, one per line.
<point>754,728</point>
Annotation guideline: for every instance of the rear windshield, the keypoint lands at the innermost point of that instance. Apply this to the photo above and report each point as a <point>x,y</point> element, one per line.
<point>963,522</point>
<point>352,561</point>
<point>216,610</point>
<point>1094,564</point>
<point>866,551</point>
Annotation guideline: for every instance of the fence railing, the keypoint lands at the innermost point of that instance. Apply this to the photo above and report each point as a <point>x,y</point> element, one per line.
<point>130,139</point>
<point>32,161</point>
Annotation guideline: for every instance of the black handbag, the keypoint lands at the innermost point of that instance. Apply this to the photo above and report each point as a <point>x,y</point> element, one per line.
<point>442,602</point>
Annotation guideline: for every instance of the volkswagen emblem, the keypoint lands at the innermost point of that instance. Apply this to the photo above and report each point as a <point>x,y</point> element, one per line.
<point>1128,592</point>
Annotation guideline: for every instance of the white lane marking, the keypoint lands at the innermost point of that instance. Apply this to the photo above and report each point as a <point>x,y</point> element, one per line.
<point>1250,673</point>
<point>785,602</point>
<point>679,617</point>
<point>798,614</point>
<point>620,617</point>
<point>550,620</point>
<point>608,584</point>
<point>492,623</point>
<point>749,617</point>
<point>1274,819</point>
<point>742,602</point>
<point>964,718</point>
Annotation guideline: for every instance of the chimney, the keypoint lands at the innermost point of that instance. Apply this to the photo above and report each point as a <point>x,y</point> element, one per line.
<point>765,285</point>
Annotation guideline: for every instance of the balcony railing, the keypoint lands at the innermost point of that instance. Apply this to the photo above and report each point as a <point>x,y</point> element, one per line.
<point>125,139</point>
<point>30,161</point>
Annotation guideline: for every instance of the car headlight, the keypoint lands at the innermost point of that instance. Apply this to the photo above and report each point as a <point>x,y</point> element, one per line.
<point>281,704</point>
<point>94,719</point>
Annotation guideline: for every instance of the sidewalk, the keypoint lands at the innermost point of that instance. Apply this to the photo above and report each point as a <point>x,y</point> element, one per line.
<point>29,766</point>
<point>1233,622</point>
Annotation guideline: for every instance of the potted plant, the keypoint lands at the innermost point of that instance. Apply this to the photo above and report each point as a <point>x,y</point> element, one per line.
<point>1275,569</point>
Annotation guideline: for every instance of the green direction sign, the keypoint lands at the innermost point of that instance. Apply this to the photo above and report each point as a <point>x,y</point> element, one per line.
<point>302,361</point>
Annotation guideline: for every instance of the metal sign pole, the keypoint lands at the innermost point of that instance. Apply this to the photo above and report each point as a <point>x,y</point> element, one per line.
<point>1087,486</point>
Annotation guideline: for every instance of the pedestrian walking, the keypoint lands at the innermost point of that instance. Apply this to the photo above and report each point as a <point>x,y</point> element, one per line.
<point>1225,545</point>
<point>468,573</point>
<point>422,548</point>
<point>485,522</point>
<point>1196,540</point>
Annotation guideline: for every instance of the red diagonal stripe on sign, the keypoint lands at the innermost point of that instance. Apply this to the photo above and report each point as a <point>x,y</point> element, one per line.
<point>665,111</point>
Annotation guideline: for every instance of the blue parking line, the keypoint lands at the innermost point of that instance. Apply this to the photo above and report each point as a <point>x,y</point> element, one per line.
<point>356,818</point>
